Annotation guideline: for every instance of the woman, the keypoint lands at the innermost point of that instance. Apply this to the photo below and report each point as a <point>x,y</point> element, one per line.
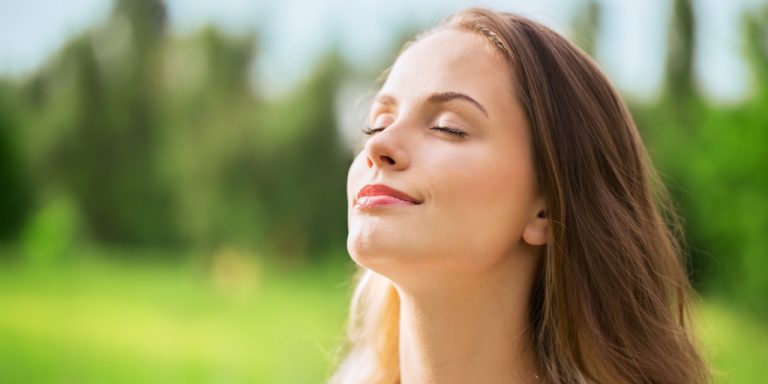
<point>507,222</point>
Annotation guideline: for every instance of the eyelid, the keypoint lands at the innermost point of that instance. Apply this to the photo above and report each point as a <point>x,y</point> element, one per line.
<point>370,131</point>
<point>453,121</point>
<point>442,128</point>
<point>376,119</point>
<point>460,133</point>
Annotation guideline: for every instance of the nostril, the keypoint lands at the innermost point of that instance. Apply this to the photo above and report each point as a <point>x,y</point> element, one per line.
<point>383,160</point>
<point>388,159</point>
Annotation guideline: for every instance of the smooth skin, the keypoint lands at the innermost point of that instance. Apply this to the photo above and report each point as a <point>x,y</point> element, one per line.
<point>448,131</point>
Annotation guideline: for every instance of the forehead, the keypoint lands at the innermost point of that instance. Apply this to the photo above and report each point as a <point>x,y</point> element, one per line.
<point>449,60</point>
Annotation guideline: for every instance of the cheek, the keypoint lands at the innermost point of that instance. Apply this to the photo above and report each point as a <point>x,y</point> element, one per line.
<point>485,207</point>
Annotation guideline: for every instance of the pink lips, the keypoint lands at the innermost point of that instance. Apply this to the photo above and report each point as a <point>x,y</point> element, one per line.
<point>377,195</point>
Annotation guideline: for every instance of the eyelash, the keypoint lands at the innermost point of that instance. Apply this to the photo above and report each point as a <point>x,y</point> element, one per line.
<point>451,131</point>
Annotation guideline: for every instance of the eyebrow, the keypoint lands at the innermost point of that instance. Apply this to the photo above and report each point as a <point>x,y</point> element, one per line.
<point>439,97</point>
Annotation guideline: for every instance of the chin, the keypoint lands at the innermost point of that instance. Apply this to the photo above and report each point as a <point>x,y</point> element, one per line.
<point>376,253</point>
<point>365,250</point>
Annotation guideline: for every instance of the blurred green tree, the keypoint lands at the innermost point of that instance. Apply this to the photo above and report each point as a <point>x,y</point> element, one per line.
<point>15,199</point>
<point>305,178</point>
<point>95,111</point>
<point>713,158</point>
<point>166,141</point>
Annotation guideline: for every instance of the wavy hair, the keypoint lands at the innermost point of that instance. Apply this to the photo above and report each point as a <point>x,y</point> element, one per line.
<point>610,300</point>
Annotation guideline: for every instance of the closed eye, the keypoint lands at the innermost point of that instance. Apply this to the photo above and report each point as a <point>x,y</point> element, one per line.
<point>370,131</point>
<point>449,130</point>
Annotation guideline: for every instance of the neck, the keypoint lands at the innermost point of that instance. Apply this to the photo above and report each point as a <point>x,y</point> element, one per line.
<point>474,329</point>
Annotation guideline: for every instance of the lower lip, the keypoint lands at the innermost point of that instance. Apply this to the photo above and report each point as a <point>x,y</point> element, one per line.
<point>380,201</point>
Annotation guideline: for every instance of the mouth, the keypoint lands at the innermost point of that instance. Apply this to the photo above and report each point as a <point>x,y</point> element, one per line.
<point>378,195</point>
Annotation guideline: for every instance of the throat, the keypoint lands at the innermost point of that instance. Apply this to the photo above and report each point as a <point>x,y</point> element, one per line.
<point>465,339</point>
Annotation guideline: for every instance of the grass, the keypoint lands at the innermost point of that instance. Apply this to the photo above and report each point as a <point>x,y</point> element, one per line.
<point>163,324</point>
<point>735,343</point>
<point>153,323</point>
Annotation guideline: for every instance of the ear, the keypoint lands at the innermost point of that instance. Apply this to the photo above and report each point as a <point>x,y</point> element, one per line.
<point>536,231</point>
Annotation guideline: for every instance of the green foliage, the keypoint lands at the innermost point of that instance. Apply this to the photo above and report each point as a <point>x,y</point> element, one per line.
<point>104,148</point>
<point>52,234</point>
<point>307,181</point>
<point>165,141</point>
<point>162,140</point>
<point>14,197</point>
<point>713,158</point>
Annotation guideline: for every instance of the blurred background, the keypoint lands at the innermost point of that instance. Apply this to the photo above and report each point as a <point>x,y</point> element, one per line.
<point>172,197</point>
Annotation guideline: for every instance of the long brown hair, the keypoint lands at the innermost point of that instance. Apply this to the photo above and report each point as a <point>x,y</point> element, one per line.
<point>610,302</point>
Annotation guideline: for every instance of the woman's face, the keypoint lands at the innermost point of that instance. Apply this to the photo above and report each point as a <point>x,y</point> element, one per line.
<point>449,134</point>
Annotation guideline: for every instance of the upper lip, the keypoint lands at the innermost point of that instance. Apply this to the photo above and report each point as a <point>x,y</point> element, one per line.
<point>381,189</point>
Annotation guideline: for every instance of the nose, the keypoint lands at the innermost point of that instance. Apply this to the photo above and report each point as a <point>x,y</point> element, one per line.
<point>385,150</point>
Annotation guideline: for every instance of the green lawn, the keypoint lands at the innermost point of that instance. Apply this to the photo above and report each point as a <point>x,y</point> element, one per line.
<point>129,324</point>
<point>108,323</point>
<point>735,343</point>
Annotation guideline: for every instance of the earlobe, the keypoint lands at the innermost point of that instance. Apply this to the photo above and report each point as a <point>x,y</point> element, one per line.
<point>536,231</point>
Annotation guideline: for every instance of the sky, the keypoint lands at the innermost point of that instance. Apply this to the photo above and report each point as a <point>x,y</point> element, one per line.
<point>631,47</point>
